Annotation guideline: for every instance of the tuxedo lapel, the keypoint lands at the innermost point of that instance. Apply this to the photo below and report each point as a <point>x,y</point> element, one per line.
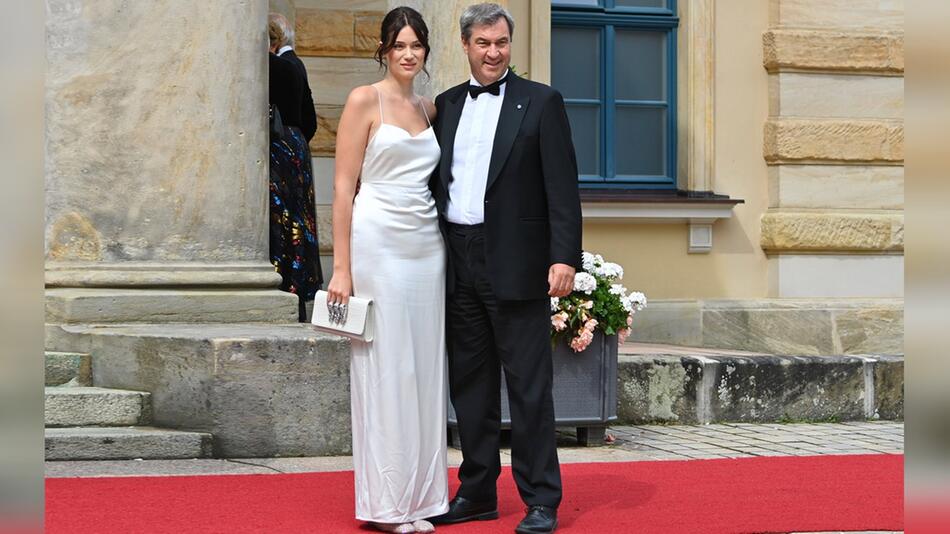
<point>513,108</point>
<point>450,124</point>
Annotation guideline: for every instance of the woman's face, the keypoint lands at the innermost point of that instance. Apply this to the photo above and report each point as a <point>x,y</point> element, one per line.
<point>407,56</point>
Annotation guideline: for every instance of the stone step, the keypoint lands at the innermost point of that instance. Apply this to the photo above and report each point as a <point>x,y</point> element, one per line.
<point>91,406</point>
<point>101,443</point>
<point>68,368</point>
<point>658,384</point>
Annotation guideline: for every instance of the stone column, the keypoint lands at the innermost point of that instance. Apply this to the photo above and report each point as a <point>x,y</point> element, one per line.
<point>157,163</point>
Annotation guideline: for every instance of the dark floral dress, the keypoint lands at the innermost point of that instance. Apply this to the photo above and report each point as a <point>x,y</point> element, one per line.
<point>294,250</point>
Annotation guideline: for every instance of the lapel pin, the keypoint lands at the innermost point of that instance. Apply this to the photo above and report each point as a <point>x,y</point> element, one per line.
<point>519,106</point>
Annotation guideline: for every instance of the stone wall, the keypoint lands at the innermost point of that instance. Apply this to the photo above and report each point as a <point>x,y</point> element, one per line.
<point>834,142</point>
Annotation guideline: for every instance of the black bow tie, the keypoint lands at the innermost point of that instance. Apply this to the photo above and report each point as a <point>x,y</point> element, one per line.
<point>492,88</point>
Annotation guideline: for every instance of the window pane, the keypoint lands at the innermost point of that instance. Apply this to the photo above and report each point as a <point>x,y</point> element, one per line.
<point>575,62</point>
<point>640,65</point>
<point>576,2</point>
<point>585,131</point>
<point>641,141</point>
<point>643,3</point>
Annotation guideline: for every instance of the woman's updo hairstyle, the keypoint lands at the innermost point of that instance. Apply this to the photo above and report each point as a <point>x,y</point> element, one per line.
<point>393,23</point>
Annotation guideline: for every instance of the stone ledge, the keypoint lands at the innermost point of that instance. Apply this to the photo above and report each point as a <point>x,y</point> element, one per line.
<point>100,305</point>
<point>851,141</point>
<point>169,275</point>
<point>337,32</point>
<point>790,49</point>
<point>708,388</point>
<point>803,231</point>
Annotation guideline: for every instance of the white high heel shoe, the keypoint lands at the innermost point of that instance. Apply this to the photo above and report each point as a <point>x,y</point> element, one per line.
<point>421,525</point>
<point>399,528</point>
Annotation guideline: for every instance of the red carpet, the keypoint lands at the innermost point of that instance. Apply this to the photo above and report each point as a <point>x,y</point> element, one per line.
<point>781,494</point>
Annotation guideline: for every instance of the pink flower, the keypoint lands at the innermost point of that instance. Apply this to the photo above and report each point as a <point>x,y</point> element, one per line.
<point>583,339</point>
<point>559,321</point>
<point>590,325</point>
<point>629,320</point>
<point>623,334</point>
<point>589,304</point>
<point>579,344</point>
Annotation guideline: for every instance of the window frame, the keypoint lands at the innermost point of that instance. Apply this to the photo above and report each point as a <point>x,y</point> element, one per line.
<point>606,18</point>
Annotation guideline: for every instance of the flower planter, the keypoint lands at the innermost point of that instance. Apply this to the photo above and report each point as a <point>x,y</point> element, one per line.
<point>585,390</point>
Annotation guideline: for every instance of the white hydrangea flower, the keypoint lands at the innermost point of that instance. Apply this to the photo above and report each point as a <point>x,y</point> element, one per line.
<point>619,290</point>
<point>611,270</point>
<point>635,301</point>
<point>585,282</point>
<point>627,304</point>
<point>555,302</point>
<point>588,261</point>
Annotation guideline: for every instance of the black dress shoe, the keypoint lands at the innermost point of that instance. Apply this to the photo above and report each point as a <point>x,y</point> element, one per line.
<point>540,519</point>
<point>462,509</point>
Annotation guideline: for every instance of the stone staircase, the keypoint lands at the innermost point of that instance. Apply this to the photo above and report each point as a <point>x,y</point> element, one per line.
<point>92,423</point>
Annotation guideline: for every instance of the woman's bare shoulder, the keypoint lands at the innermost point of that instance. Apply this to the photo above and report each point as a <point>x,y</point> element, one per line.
<point>362,97</point>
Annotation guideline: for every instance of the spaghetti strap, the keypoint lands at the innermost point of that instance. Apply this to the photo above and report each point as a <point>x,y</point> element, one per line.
<point>424,112</point>
<point>379,96</point>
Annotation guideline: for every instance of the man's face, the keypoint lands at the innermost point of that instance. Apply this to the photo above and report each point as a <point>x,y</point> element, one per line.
<point>489,51</point>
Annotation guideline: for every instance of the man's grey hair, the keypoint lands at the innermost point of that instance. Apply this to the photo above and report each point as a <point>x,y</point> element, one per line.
<point>485,14</point>
<point>285,26</point>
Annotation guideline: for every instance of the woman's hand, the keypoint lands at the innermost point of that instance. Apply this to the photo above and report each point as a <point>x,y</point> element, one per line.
<point>340,288</point>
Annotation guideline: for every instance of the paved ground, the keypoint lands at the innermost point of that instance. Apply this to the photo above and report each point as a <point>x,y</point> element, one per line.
<point>743,440</point>
<point>632,443</point>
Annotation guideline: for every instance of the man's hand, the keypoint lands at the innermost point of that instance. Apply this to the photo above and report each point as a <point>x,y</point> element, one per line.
<point>560,280</point>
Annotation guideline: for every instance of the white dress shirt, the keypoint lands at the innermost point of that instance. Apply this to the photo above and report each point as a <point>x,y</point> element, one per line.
<point>470,156</point>
<point>285,48</point>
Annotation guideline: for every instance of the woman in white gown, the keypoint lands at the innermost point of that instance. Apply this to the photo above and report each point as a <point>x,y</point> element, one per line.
<point>387,247</point>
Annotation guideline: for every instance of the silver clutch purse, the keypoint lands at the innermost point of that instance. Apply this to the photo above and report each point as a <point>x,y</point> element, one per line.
<point>355,322</point>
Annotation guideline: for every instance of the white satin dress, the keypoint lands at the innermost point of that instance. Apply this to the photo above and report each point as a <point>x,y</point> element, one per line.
<point>398,381</point>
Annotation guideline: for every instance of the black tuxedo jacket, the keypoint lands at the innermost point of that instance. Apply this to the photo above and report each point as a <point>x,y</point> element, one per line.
<point>308,115</point>
<point>532,205</point>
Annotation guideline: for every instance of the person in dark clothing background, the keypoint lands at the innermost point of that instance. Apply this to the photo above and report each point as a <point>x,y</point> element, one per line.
<point>285,50</point>
<point>294,250</point>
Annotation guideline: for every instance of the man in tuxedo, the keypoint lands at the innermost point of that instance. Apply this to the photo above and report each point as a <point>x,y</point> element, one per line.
<point>308,115</point>
<point>506,191</point>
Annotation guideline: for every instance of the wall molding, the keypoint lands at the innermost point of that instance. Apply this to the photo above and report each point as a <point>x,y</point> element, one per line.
<point>696,101</point>
<point>809,231</point>
<point>868,141</point>
<point>810,50</point>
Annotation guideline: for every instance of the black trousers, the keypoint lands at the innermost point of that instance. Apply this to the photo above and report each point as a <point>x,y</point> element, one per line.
<point>485,334</point>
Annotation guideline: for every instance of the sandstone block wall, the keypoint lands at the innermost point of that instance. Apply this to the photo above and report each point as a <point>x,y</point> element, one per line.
<point>834,142</point>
